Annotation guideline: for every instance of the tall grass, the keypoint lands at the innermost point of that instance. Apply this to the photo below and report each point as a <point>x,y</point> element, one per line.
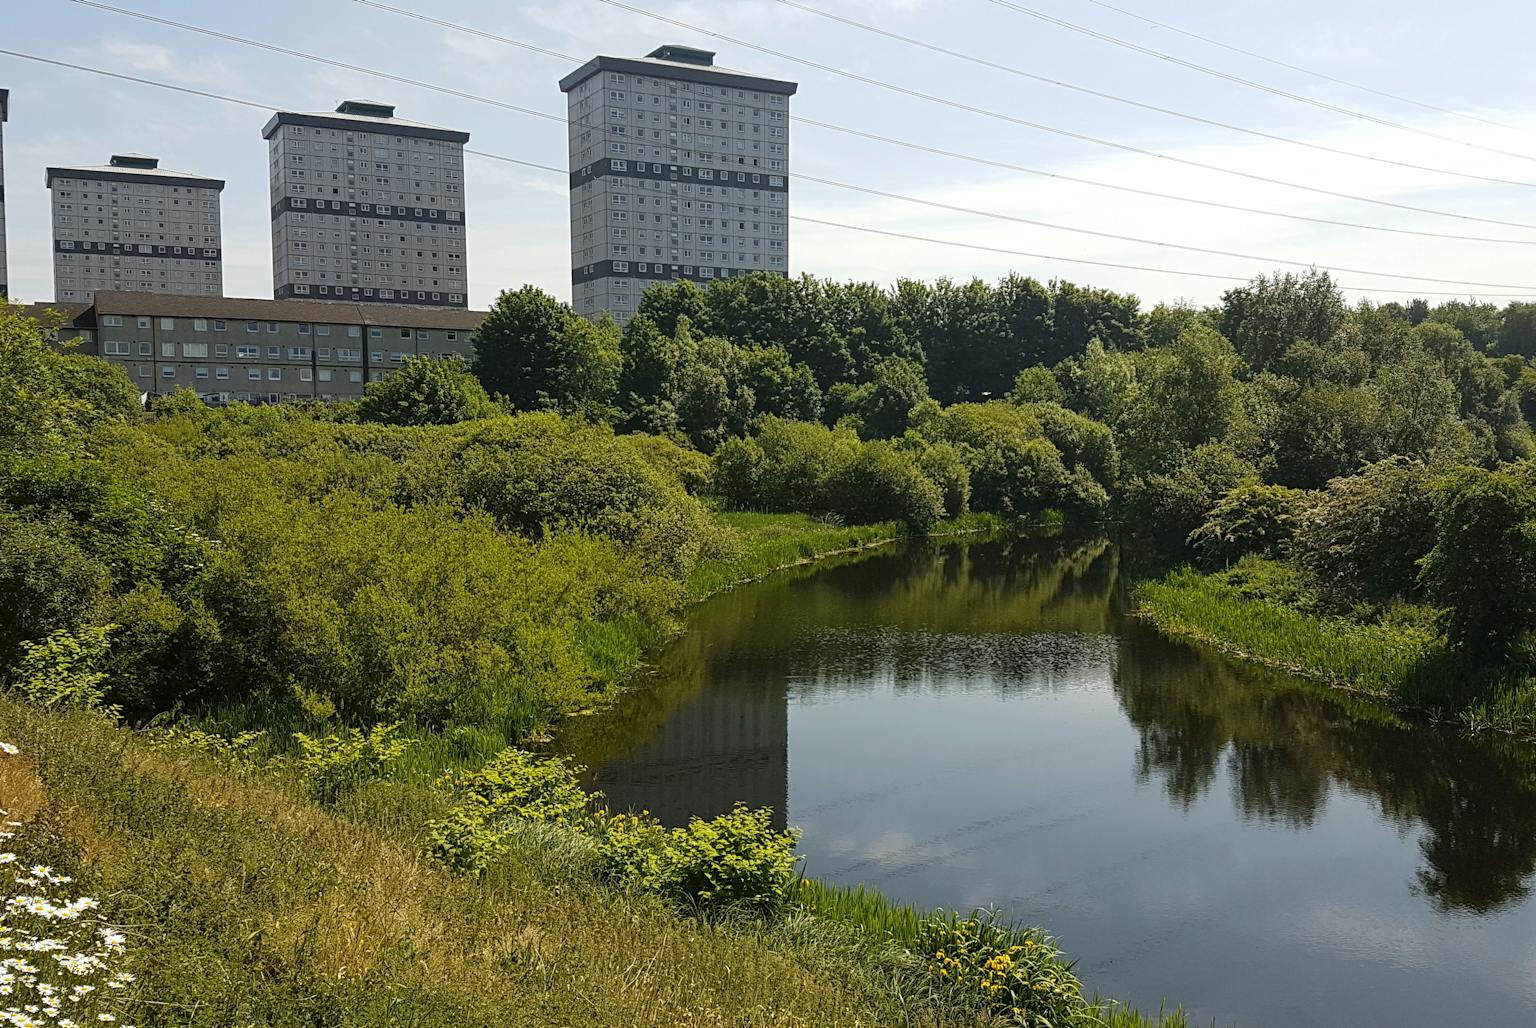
<point>1377,658</point>
<point>1398,660</point>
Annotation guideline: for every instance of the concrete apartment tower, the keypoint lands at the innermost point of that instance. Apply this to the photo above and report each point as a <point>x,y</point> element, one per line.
<point>5,114</point>
<point>679,169</point>
<point>132,225</point>
<point>367,208</point>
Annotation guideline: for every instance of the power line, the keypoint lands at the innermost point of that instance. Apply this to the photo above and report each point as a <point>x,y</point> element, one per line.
<point>560,171</point>
<point>801,176</point>
<point>1252,176</point>
<point>832,182</point>
<point>1250,83</point>
<point>1102,264</point>
<point>983,111</point>
<point>1116,98</point>
<point>1309,71</point>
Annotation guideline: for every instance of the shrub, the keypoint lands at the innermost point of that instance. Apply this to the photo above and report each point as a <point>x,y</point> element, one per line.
<point>1482,568</point>
<point>337,763</point>
<point>514,786</point>
<point>947,469</point>
<point>47,582</point>
<point>1037,385</point>
<point>682,464</point>
<point>980,965</point>
<point>1364,538</point>
<point>883,483</point>
<point>735,859</point>
<point>1251,519</point>
<point>64,669</point>
<point>426,391</point>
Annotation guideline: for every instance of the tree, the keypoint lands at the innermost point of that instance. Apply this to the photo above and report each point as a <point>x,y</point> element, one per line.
<point>519,347</point>
<point>37,411</point>
<point>1517,330</point>
<point>426,391</point>
<point>1266,316</point>
<point>104,387</point>
<point>1251,519</point>
<point>1482,569</point>
<point>1037,385</point>
<point>584,378</point>
<point>883,405</point>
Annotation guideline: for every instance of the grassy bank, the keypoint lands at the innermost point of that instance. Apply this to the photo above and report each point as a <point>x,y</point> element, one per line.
<point>773,542</point>
<point>1397,658</point>
<point>245,902</point>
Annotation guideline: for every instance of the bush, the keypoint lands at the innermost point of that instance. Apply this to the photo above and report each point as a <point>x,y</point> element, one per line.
<point>1364,538</point>
<point>64,669</point>
<point>1482,568</point>
<point>736,859</point>
<point>883,483</point>
<point>47,582</point>
<point>513,786</point>
<point>980,965</point>
<point>682,464</point>
<point>947,469</point>
<point>1251,519</point>
<point>426,391</point>
<point>337,763</point>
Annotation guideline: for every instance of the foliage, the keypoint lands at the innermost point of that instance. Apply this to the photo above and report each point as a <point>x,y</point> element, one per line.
<point>1249,520</point>
<point>513,787</point>
<point>426,391</point>
<point>343,760</point>
<point>983,965</point>
<point>882,407</point>
<point>38,410</point>
<point>1266,316</point>
<point>539,354</point>
<point>1364,538</point>
<point>1036,384</point>
<point>735,859</point>
<point>65,668</point>
<point>1482,569</point>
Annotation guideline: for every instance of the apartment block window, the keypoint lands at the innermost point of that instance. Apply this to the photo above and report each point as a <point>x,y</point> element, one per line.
<point>167,349</point>
<point>199,325</point>
<point>248,353</point>
<point>194,349</point>
<point>274,352</point>
<point>325,374</point>
<point>274,374</point>
<point>303,328</point>
<point>272,326</point>
<point>167,324</point>
<point>144,323</point>
<point>112,321</point>
<point>167,372</point>
<point>201,372</point>
<point>305,375</point>
<point>254,374</point>
<point>219,325</point>
<point>221,349</point>
<point>115,348</point>
<point>252,326</point>
<point>354,376</point>
<point>220,372</point>
<point>145,349</point>
<point>322,330</point>
<point>298,353</point>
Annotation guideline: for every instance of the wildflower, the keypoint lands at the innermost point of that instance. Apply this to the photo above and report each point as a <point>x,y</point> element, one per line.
<point>9,749</point>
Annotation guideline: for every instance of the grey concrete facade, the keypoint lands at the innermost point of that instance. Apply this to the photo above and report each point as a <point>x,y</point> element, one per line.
<point>367,208</point>
<point>679,169</point>
<point>131,224</point>
<point>259,351</point>
<point>5,115</point>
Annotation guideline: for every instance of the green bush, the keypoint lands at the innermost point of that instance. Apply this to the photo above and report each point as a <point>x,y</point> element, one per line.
<point>64,669</point>
<point>1251,519</point>
<point>1364,538</point>
<point>883,483</point>
<point>514,786</point>
<point>946,468</point>
<point>735,859</point>
<point>334,764</point>
<point>982,966</point>
<point>426,391</point>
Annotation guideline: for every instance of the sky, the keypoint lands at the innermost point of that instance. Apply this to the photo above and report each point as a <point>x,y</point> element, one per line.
<point>1471,59</point>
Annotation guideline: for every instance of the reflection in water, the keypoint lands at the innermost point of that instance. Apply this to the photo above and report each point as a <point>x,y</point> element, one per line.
<point>967,724</point>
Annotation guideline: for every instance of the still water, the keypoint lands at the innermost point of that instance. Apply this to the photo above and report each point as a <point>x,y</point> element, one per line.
<point>970,724</point>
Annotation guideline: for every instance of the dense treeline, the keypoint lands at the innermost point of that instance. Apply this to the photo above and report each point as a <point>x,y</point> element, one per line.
<point>1207,432</point>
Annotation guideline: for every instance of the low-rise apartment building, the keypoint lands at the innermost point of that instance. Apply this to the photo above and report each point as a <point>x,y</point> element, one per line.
<point>230,349</point>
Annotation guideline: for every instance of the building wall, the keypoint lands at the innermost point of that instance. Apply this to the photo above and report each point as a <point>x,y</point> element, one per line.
<point>367,216</point>
<point>262,360</point>
<point>673,178</point>
<point>127,234</point>
<point>4,114</point>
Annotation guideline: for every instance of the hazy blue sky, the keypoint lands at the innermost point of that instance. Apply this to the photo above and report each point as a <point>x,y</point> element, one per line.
<point>1472,57</point>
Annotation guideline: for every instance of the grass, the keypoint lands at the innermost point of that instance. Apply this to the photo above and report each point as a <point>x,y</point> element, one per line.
<point>249,905</point>
<point>1398,659</point>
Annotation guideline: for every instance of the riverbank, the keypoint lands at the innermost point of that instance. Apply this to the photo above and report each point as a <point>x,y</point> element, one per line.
<point>1398,659</point>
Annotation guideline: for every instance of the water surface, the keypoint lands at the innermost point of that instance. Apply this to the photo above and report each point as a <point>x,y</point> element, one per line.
<point>963,724</point>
